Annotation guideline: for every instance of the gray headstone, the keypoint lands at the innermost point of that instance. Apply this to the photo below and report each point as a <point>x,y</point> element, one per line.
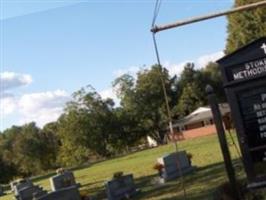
<point>174,163</point>
<point>69,193</point>
<point>29,192</point>
<point>19,185</point>
<point>120,188</point>
<point>25,190</point>
<point>64,180</point>
<point>1,191</point>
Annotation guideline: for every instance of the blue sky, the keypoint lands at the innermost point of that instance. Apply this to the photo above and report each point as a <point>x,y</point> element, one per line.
<point>49,49</point>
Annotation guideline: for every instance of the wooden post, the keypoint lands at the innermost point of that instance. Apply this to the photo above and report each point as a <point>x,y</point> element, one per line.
<point>217,118</point>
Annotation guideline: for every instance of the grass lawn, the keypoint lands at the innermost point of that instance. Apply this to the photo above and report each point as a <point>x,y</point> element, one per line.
<point>210,172</point>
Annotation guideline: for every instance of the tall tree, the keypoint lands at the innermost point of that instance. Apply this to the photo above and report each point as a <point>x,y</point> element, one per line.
<point>51,138</point>
<point>29,150</point>
<point>191,86</point>
<point>86,128</point>
<point>189,100</point>
<point>145,100</point>
<point>211,75</point>
<point>246,26</point>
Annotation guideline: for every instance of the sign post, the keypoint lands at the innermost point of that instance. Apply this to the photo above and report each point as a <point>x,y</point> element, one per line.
<point>217,117</point>
<point>244,78</point>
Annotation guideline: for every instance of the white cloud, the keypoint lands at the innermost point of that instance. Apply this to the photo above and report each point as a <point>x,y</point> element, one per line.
<point>131,70</point>
<point>175,69</point>
<point>110,93</point>
<point>204,60</point>
<point>10,80</point>
<point>42,107</point>
<point>7,105</point>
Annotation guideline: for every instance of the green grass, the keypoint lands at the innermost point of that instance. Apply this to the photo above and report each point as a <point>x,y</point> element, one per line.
<point>210,172</point>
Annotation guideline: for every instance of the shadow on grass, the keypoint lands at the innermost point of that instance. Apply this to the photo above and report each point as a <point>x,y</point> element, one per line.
<point>201,184</point>
<point>90,184</point>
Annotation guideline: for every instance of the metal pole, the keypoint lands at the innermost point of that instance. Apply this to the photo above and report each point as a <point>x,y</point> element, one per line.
<point>156,29</point>
<point>168,112</point>
<point>217,118</point>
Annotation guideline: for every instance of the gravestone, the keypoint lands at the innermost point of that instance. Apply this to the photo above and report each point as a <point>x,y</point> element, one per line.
<point>25,190</point>
<point>175,165</point>
<point>121,187</point>
<point>69,193</point>
<point>244,78</point>
<point>63,180</point>
<point>1,191</point>
<point>29,192</point>
<point>64,187</point>
<point>20,184</point>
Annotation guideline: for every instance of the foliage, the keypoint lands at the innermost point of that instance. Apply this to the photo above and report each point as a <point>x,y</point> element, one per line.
<point>25,151</point>
<point>244,27</point>
<point>192,84</point>
<point>145,101</point>
<point>211,75</point>
<point>52,140</point>
<point>86,127</point>
<point>91,127</point>
<point>189,100</point>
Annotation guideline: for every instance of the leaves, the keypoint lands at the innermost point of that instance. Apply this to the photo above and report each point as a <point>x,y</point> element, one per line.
<point>245,27</point>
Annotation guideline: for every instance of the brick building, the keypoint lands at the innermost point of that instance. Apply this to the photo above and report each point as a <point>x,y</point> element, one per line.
<point>200,123</point>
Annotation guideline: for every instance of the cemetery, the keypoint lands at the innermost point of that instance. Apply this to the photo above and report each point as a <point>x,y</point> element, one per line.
<point>202,183</point>
<point>160,142</point>
<point>198,167</point>
<point>63,186</point>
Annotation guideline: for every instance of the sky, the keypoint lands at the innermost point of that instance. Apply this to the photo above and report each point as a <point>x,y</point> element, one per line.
<point>50,49</point>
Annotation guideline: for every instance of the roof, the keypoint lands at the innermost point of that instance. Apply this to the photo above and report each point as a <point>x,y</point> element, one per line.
<point>200,114</point>
<point>244,54</point>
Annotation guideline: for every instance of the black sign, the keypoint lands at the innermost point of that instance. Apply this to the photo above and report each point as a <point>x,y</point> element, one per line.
<point>247,70</point>
<point>244,77</point>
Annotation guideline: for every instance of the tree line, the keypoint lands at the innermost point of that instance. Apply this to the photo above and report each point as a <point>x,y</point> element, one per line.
<point>92,127</point>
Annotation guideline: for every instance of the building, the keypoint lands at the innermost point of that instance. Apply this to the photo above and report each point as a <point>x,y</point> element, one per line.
<point>200,123</point>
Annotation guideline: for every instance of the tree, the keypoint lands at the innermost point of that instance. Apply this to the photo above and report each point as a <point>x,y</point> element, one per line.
<point>87,127</point>
<point>127,130</point>
<point>51,138</point>
<point>24,148</point>
<point>29,150</point>
<point>145,101</point>
<point>191,86</point>
<point>7,169</point>
<point>211,75</point>
<point>189,100</point>
<point>246,26</point>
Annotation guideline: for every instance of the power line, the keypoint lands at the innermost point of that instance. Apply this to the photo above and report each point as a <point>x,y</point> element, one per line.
<point>156,13</point>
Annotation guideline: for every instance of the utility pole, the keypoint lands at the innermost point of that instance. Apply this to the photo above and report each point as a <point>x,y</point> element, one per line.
<point>156,29</point>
